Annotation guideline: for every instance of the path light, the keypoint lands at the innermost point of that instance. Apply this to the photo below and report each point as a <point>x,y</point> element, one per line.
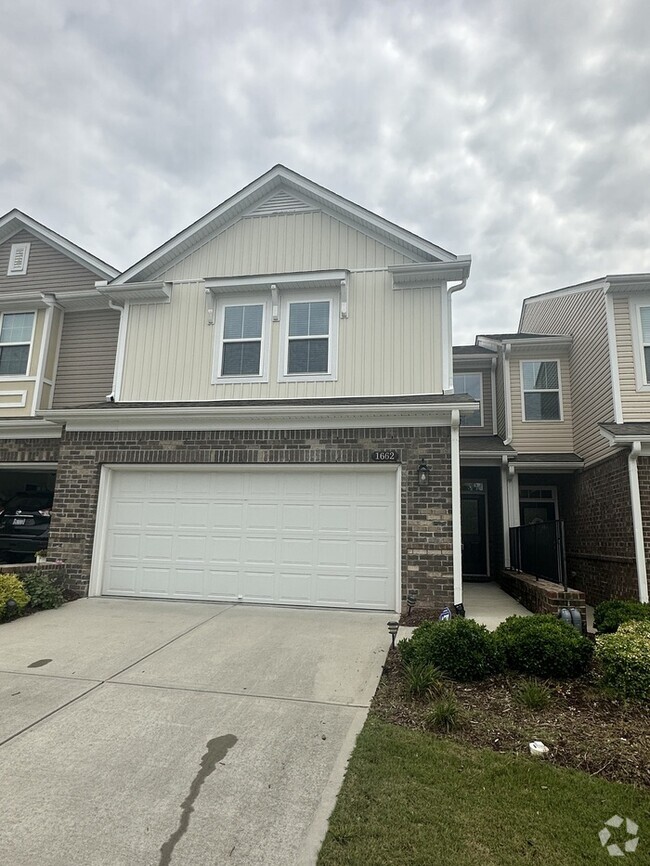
<point>411,601</point>
<point>10,608</point>
<point>423,474</point>
<point>393,625</point>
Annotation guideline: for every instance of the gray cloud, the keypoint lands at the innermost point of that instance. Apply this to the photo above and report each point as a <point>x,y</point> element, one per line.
<point>518,132</point>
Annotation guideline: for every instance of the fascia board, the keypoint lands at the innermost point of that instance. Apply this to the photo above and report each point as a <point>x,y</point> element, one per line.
<point>305,278</point>
<point>150,291</point>
<point>29,429</point>
<point>526,467</point>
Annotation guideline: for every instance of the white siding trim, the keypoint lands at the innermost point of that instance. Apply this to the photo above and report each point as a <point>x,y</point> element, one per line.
<point>635,305</point>
<point>555,361</point>
<point>613,358</point>
<point>101,526</point>
<point>637,521</point>
<point>18,259</point>
<point>333,338</point>
<point>120,352</point>
<point>45,343</point>
<point>18,404</point>
<point>242,300</point>
<point>457,541</point>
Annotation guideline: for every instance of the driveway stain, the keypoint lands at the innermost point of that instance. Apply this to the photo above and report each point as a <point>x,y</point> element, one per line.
<point>216,751</point>
<point>39,663</point>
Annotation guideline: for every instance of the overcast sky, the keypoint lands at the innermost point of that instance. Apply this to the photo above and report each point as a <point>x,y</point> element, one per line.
<point>516,131</point>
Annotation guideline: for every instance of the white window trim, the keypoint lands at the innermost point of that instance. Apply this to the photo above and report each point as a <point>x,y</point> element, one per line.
<point>16,376</point>
<point>478,373</point>
<point>541,391</point>
<point>525,500</point>
<point>332,358</point>
<point>12,271</point>
<point>642,375</point>
<point>265,348</point>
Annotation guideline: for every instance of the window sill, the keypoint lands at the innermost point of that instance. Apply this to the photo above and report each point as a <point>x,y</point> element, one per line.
<point>240,380</point>
<point>308,377</point>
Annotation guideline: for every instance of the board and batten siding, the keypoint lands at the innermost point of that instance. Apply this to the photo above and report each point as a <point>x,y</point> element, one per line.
<point>389,344</point>
<point>284,243</point>
<point>48,270</point>
<point>533,437</point>
<point>635,404</point>
<point>581,315</point>
<point>86,357</point>
<point>486,373</point>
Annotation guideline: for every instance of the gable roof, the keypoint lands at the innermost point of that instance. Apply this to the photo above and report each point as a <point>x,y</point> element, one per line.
<point>280,190</point>
<point>14,221</point>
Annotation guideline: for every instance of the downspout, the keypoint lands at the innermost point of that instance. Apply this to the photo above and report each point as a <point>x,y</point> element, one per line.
<point>493,384</point>
<point>448,359</point>
<point>505,510</point>
<point>637,521</point>
<point>507,401</point>
<point>457,551</point>
<point>119,353</point>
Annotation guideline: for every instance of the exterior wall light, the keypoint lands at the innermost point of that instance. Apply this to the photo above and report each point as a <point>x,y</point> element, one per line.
<point>393,625</point>
<point>424,474</point>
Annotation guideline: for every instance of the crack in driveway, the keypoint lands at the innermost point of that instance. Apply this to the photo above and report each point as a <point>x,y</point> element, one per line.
<point>216,750</point>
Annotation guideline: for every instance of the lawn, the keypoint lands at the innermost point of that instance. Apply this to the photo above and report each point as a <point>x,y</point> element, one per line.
<point>413,799</point>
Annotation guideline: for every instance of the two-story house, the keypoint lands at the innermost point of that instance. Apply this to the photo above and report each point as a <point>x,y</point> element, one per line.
<point>281,424</point>
<point>58,337</point>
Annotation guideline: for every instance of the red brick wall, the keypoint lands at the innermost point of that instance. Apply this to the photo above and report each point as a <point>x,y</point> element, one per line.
<point>426,513</point>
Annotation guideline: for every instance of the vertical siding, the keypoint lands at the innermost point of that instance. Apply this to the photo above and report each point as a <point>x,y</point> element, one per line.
<point>486,372</point>
<point>388,345</point>
<point>48,270</point>
<point>500,397</point>
<point>635,404</point>
<point>86,357</point>
<point>284,243</point>
<point>581,315</point>
<point>530,437</point>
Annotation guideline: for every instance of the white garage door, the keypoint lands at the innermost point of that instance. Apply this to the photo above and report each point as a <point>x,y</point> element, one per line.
<point>322,537</point>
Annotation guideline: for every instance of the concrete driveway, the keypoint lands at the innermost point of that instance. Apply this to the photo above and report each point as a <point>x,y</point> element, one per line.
<point>146,732</point>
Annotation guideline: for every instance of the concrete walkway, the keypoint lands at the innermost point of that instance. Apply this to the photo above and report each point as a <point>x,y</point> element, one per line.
<point>146,732</point>
<point>488,604</point>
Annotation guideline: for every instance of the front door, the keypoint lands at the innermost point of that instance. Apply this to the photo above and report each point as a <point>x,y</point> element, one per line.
<point>474,532</point>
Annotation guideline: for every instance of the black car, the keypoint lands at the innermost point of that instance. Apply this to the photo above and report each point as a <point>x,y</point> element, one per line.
<point>24,526</point>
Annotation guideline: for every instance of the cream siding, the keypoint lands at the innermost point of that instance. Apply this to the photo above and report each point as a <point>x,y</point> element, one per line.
<point>284,243</point>
<point>24,385</point>
<point>486,372</point>
<point>581,315</point>
<point>532,437</point>
<point>86,358</point>
<point>389,344</point>
<point>48,270</point>
<point>635,404</point>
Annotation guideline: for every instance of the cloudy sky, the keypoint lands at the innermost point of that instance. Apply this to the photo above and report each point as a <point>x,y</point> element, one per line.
<point>516,131</point>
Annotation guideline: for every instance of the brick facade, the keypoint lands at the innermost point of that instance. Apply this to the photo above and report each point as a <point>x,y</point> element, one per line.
<point>643,467</point>
<point>29,450</point>
<point>426,513</point>
<point>542,596</point>
<point>599,536</point>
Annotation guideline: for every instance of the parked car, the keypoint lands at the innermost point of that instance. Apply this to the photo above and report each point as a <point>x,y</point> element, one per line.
<point>24,526</point>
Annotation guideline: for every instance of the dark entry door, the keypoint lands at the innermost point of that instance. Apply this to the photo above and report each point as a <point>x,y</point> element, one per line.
<point>474,536</point>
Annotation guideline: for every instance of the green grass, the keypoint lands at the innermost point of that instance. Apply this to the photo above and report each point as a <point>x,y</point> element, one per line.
<point>411,799</point>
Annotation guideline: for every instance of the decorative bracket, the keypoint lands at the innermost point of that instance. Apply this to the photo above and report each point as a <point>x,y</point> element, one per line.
<point>344,299</point>
<point>275,303</point>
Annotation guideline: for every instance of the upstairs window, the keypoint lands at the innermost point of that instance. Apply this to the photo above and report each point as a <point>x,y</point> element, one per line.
<point>308,346</point>
<point>241,330</point>
<point>18,257</point>
<point>541,390</point>
<point>472,384</point>
<point>16,331</point>
<point>644,318</point>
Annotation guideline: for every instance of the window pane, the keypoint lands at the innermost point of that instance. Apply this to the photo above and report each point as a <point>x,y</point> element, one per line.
<point>309,319</point>
<point>468,383</point>
<point>646,352</point>
<point>319,318</point>
<point>645,324</point>
<point>542,406</point>
<point>307,356</point>
<point>252,321</point>
<point>470,419</point>
<point>241,359</point>
<point>298,320</point>
<point>233,323</point>
<point>540,374</point>
<point>13,360</point>
<point>16,328</point>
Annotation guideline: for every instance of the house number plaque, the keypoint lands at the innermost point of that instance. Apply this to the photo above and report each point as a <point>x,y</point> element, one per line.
<point>389,456</point>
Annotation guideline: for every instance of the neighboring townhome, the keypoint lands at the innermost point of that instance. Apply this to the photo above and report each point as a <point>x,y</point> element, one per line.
<point>607,507</point>
<point>281,426</point>
<point>58,338</point>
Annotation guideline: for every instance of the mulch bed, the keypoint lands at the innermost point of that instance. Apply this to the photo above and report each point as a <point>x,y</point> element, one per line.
<point>583,728</point>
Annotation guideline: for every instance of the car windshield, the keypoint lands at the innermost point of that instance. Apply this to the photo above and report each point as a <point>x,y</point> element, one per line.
<point>28,502</point>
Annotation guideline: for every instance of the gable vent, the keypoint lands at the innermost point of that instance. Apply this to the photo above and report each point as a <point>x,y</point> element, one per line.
<point>280,202</point>
<point>18,260</point>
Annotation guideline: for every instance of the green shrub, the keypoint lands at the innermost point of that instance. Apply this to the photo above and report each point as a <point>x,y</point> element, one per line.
<point>541,645</point>
<point>623,659</point>
<point>533,695</point>
<point>608,615</point>
<point>43,593</point>
<point>460,648</point>
<point>11,587</point>
<point>445,714</point>
<point>422,679</point>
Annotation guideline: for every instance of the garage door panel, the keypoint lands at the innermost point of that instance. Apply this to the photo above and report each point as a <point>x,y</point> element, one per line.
<point>302,536</point>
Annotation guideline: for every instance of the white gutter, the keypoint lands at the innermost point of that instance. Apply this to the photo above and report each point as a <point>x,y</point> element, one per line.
<point>507,401</point>
<point>637,521</point>
<point>505,511</point>
<point>447,341</point>
<point>457,548</point>
<point>120,351</point>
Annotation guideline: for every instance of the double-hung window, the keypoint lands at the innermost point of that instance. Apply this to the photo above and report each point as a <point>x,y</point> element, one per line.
<point>16,330</point>
<point>242,338</point>
<point>644,335</point>
<point>472,384</point>
<point>541,390</point>
<point>308,347</point>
